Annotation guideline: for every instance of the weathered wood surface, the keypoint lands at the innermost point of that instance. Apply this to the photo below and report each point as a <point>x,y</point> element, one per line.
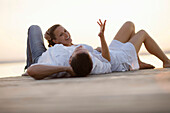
<point>143,91</point>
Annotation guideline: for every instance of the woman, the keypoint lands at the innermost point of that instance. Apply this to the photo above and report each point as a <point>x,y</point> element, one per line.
<point>125,34</point>
<point>123,48</point>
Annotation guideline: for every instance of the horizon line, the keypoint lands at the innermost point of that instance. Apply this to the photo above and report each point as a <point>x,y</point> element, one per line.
<point>23,60</point>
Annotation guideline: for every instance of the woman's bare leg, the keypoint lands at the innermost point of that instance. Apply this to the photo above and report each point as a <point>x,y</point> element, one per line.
<point>150,45</point>
<point>126,32</point>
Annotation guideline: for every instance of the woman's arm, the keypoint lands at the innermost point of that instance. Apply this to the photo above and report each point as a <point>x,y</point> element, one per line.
<point>104,47</point>
<point>42,71</point>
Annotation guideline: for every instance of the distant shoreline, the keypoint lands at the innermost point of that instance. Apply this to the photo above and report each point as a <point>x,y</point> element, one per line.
<point>20,61</point>
<point>146,53</point>
<point>12,61</point>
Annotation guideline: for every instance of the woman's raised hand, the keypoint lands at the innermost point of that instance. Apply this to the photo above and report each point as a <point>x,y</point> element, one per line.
<point>102,28</point>
<point>104,47</point>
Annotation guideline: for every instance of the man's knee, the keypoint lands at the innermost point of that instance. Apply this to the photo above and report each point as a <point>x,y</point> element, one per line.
<point>34,27</point>
<point>34,30</point>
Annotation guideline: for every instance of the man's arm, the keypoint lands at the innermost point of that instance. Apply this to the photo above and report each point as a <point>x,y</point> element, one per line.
<point>104,47</point>
<point>39,72</point>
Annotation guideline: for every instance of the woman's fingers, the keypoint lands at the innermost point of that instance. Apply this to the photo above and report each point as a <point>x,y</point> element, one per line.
<point>104,22</point>
<point>104,25</point>
<point>99,23</point>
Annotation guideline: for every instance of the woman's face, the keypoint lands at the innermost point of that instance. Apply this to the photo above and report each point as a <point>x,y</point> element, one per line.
<point>62,36</point>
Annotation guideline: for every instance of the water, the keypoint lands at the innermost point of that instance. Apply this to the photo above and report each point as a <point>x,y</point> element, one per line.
<point>17,69</point>
<point>11,69</point>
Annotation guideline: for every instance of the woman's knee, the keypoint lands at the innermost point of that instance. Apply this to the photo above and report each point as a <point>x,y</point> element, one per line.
<point>130,25</point>
<point>143,32</point>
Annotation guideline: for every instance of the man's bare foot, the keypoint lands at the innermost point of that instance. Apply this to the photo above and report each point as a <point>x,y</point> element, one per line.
<point>146,66</point>
<point>166,64</point>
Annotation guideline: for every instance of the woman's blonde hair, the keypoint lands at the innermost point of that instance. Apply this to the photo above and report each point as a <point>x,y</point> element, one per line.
<point>50,36</point>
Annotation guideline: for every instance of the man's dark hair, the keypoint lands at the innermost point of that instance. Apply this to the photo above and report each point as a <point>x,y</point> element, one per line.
<point>82,64</point>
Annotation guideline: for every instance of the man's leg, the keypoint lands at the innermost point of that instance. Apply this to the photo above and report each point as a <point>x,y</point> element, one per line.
<point>35,45</point>
<point>29,55</point>
<point>150,45</point>
<point>126,32</point>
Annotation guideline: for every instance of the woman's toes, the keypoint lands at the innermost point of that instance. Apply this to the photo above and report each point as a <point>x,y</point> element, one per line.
<point>166,65</point>
<point>146,66</point>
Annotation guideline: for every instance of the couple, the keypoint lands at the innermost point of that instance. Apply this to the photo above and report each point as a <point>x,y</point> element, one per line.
<point>81,60</point>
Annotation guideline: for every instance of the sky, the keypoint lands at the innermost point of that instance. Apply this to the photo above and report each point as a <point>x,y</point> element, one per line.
<point>80,17</point>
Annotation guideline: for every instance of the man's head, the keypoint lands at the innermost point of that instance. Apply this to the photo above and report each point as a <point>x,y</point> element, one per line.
<point>58,35</point>
<point>81,62</point>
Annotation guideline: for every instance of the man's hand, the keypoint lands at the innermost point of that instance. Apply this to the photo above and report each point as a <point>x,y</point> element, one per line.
<point>102,28</point>
<point>70,71</point>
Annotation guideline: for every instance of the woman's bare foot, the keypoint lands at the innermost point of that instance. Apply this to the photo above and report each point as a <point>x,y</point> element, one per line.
<point>146,66</point>
<point>166,64</point>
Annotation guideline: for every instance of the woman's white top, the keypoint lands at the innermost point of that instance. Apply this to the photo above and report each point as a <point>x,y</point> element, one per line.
<point>59,55</point>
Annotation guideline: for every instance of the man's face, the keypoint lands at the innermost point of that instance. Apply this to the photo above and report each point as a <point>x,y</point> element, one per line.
<point>78,50</point>
<point>62,36</point>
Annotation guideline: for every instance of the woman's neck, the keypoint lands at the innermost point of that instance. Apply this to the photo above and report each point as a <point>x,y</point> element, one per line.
<point>69,44</point>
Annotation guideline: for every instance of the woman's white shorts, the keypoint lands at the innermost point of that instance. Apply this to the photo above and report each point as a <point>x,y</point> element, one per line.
<point>124,53</point>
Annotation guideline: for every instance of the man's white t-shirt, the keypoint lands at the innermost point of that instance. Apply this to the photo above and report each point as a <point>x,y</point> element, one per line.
<point>59,55</point>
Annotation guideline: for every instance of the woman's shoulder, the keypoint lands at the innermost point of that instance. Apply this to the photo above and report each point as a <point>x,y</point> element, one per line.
<point>57,48</point>
<point>58,45</point>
